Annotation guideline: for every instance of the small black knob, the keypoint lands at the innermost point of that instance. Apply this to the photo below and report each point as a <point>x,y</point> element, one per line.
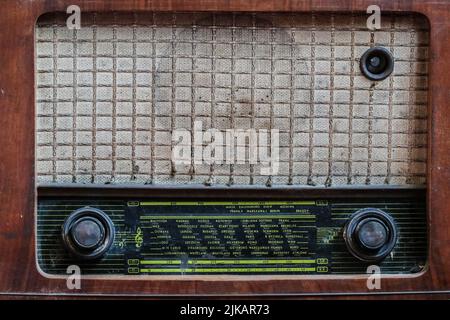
<point>88,233</point>
<point>377,63</point>
<point>370,234</point>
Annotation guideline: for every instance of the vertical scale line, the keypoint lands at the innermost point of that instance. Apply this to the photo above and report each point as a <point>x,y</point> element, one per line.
<point>173,93</point>
<point>390,106</point>
<point>329,180</point>
<point>74,106</point>
<point>134,168</point>
<point>55,99</point>
<point>351,102</point>
<point>153,103</point>
<point>114,102</point>
<point>370,118</point>
<point>193,98</point>
<point>411,103</point>
<point>94,100</point>
<point>213,95</point>
<point>232,155</point>
<point>312,98</point>
<point>252,92</point>
<point>291,102</point>
<point>272,84</point>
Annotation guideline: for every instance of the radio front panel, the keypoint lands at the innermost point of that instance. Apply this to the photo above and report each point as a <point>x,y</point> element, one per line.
<point>224,148</point>
<point>111,95</point>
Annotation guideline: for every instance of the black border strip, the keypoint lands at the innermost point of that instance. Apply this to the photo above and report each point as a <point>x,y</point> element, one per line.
<point>233,193</point>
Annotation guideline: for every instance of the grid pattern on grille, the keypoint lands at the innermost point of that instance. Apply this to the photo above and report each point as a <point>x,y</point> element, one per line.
<point>110,95</point>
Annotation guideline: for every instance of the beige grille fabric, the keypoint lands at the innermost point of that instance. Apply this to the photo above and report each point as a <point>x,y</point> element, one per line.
<point>110,95</point>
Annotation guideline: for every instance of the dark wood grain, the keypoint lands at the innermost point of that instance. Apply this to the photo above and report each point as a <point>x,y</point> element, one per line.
<point>18,271</point>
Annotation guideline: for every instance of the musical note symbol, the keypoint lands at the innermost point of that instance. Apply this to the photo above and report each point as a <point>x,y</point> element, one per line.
<point>139,238</point>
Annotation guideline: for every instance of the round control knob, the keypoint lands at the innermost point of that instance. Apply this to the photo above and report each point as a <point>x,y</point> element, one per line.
<point>88,233</point>
<point>377,63</point>
<point>370,234</point>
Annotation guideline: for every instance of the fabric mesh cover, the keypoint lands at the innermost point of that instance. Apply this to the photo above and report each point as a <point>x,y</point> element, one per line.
<point>110,94</point>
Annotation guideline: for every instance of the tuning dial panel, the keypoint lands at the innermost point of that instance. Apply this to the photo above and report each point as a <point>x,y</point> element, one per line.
<point>146,236</point>
<point>88,233</point>
<point>370,234</point>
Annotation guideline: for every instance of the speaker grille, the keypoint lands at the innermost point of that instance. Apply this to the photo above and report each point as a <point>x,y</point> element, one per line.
<point>110,94</point>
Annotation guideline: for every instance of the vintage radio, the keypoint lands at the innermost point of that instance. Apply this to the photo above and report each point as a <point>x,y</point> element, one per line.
<point>224,148</point>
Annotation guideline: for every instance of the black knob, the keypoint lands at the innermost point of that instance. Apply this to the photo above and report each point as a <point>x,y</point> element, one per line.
<point>370,234</point>
<point>377,63</point>
<point>88,233</point>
